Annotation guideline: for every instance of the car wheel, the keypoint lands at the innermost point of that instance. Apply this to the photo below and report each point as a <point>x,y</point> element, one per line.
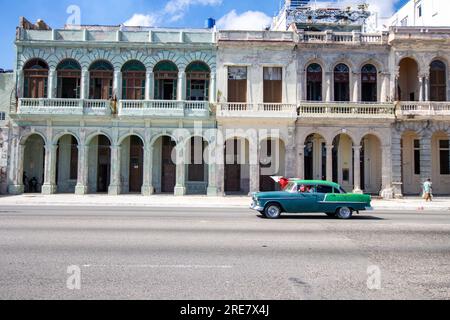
<point>344,213</point>
<point>272,211</point>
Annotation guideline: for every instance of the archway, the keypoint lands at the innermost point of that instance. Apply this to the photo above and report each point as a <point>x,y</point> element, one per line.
<point>198,76</point>
<point>272,163</point>
<point>438,81</point>
<point>101,75</point>
<point>33,164</point>
<point>341,83</point>
<point>237,168</point>
<point>315,154</point>
<point>314,82</point>
<point>132,164</point>
<point>69,79</point>
<point>35,74</point>
<point>440,163</point>
<point>164,165</point>
<point>166,76</point>
<point>408,83</point>
<point>410,146</point>
<point>370,164</point>
<point>197,169</point>
<point>99,175</point>
<point>133,80</point>
<point>343,161</point>
<point>67,164</point>
<point>369,85</point>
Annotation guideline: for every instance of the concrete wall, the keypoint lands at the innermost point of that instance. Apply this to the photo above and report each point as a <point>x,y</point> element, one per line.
<point>6,88</point>
<point>434,13</point>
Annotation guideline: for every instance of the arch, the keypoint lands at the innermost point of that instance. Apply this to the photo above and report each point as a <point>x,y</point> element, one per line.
<point>36,64</point>
<point>133,80</point>
<point>101,65</point>
<point>411,161</point>
<point>341,75</point>
<point>69,79</point>
<point>66,162</point>
<point>95,134</point>
<point>166,77</point>
<point>99,155</point>
<point>272,162</point>
<point>101,73</point>
<point>133,65</point>
<point>343,166</point>
<point>371,164</point>
<point>156,137</point>
<point>369,83</point>
<point>35,78</point>
<point>132,163</point>
<point>25,137</point>
<point>165,66</point>
<point>408,82</point>
<point>315,156</point>
<point>33,162</point>
<point>122,138</point>
<point>198,75</point>
<point>438,80</point>
<point>205,57</point>
<point>339,132</point>
<point>164,163</point>
<point>62,134</point>
<point>197,169</point>
<point>68,64</point>
<point>237,169</point>
<point>314,82</point>
<point>198,66</point>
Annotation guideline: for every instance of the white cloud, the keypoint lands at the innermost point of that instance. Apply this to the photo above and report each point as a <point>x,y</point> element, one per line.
<point>174,10</point>
<point>250,20</point>
<point>142,20</point>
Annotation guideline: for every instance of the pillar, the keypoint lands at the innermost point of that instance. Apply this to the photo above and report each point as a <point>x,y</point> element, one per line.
<point>115,185</point>
<point>302,86</point>
<point>357,169</point>
<point>220,163</point>
<point>328,86</point>
<point>290,161</point>
<point>421,89</point>
<point>212,88</point>
<point>213,190</point>
<point>301,162</point>
<point>254,165</point>
<point>49,186</point>
<point>384,92</point>
<point>388,191</point>
<point>20,84</point>
<point>180,187</point>
<point>15,175</point>
<point>181,86</point>
<point>356,87</point>
<point>82,181</point>
<point>425,156</point>
<point>147,187</point>
<point>84,90</point>
<point>117,85</point>
<point>427,87</point>
<point>149,85</point>
<point>329,162</point>
<point>51,94</point>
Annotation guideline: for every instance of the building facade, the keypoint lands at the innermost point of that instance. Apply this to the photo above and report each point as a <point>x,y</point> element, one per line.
<point>134,110</point>
<point>421,13</point>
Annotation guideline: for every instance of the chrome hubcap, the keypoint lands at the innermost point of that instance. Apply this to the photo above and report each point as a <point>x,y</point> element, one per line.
<point>273,211</point>
<point>345,212</point>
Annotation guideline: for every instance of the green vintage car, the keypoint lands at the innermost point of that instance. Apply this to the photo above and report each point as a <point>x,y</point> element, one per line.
<point>305,196</point>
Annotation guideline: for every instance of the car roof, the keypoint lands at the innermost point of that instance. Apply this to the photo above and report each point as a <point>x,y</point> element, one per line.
<point>316,182</point>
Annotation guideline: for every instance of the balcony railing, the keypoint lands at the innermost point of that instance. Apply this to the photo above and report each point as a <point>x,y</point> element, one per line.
<point>46,106</point>
<point>164,108</point>
<point>346,110</point>
<point>257,110</point>
<point>342,37</point>
<point>426,108</point>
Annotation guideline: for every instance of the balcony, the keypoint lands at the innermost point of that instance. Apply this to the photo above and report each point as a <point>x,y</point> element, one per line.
<point>65,107</point>
<point>423,109</point>
<point>348,38</point>
<point>164,108</point>
<point>258,110</point>
<point>347,110</point>
<point>127,108</point>
<point>269,36</point>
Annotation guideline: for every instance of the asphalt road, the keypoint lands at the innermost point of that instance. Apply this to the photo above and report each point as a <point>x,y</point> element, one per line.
<point>143,253</point>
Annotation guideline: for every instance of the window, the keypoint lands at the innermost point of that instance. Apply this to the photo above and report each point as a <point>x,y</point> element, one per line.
<point>273,80</point>
<point>35,79</point>
<point>416,157</point>
<point>444,156</point>
<point>2,116</point>
<point>369,83</point>
<point>237,84</point>
<point>419,11</point>
<point>166,75</point>
<point>325,189</point>
<point>69,79</point>
<point>438,81</point>
<point>133,80</point>
<point>101,80</point>
<point>198,79</point>
<point>314,82</point>
<point>341,83</point>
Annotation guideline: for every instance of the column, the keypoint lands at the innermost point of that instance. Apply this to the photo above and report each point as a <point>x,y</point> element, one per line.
<point>49,186</point>
<point>329,162</point>
<point>147,187</point>
<point>180,187</point>
<point>290,161</point>
<point>357,169</point>
<point>149,85</point>
<point>384,87</point>
<point>302,84</point>
<point>15,176</point>
<point>20,84</point>
<point>84,90</point>
<point>427,87</point>
<point>425,156</point>
<point>421,93</point>
<point>387,192</point>
<point>328,86</point>
<point>181,86</point>
<point>254,165</point>
<point>220,165</point>
<point>51,94</point>
<point>117,85</point>
<point>212,88</point>
<point>301,162</point>
<point>83,170</point>
<point>213,157</point>
<point>356,87</point>
<point>115,185</point>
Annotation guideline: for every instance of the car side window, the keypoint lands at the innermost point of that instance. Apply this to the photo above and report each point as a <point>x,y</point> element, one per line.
<point>303,188</point>
<point>325,189</point>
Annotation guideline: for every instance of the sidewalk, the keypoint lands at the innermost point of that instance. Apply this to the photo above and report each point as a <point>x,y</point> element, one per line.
<point>413,203</point>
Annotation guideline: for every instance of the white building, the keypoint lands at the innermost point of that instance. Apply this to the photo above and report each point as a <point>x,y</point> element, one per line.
<point>422,13</point>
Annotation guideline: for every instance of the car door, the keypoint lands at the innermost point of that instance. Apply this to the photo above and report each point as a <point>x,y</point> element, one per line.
<point>305,202</point>
<point>321,193</point>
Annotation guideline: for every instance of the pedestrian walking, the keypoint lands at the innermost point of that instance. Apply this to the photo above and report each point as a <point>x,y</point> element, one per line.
<point>428,190</point>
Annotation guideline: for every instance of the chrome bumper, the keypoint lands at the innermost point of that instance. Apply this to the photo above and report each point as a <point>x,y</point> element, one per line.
<point>254,206</point>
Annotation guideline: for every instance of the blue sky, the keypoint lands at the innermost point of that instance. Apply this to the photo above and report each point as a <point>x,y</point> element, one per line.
<point>161,13</point>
